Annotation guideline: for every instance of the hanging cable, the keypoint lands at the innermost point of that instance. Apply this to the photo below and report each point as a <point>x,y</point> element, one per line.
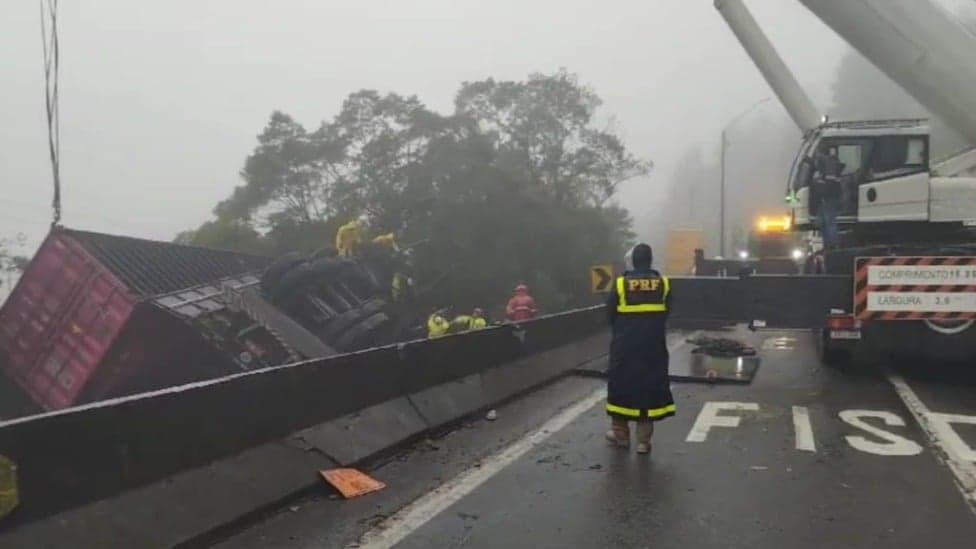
<point>49,38</point>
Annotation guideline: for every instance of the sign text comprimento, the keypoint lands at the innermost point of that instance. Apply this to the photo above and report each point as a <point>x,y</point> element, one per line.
<point>912,288</point>
<point>921,275</point>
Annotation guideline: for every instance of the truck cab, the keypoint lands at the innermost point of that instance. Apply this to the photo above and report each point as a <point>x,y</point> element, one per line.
<point>884,172</point>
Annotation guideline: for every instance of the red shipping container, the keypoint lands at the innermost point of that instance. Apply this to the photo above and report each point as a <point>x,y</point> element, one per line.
<point>75,299</point>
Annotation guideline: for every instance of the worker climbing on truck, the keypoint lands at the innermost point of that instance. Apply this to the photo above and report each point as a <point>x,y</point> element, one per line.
<point>348,238</point>
<point>387,240</point>
<point>638,388</point>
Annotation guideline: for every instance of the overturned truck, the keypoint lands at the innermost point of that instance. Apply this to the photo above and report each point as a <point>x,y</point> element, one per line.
<point>348,303</point>
<point>97,316</point>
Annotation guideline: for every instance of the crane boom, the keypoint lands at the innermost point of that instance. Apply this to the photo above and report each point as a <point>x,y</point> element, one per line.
<point>770,64</point>
<point>918,46</point>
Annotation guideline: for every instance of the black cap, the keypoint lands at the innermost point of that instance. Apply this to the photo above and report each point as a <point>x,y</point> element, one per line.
<point>642,256</point>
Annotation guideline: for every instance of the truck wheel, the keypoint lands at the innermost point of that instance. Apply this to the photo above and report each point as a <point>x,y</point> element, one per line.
<point>295,280</point>
<point>951,327</point>
<point>277,269</point>
<point>361,333</point>
<point>327,267</point>
<point>359,278</point>
<point>334,329</point>
<point>828,354</point>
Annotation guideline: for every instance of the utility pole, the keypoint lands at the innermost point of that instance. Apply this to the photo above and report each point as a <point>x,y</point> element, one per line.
<point>721,199</point>
<point>721,191</point>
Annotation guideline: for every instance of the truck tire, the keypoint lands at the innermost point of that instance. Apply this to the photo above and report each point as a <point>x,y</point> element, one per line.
<point>359,277</point>
<point>293,281</point>
<point>828,355</point>
<point>920,342</point>
<point>361,333</point>
<point>278,268</point>
<point>335,328</point>
<point>948,328</point>
<point>328,267</point>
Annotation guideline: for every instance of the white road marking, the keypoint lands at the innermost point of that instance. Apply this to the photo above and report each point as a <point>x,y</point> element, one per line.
<point>407,520</point>
<point>934,426</point>
<point>896,445</point>
<point>956,446</point>
<point>708,418</point>
<point>803,429</point>
<point>413,516</point>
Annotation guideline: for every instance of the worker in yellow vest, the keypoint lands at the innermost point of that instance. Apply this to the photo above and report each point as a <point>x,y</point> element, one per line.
<point>437,325</point>
<point>478,320</point>
<point>465,323</point>
<point>387,240</point>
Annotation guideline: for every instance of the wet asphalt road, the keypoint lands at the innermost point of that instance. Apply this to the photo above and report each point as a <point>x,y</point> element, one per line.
<point>862,472</point>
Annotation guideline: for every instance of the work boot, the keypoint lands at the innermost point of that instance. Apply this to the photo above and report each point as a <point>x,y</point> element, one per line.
<point>644,431</point>
<point>619,433</point>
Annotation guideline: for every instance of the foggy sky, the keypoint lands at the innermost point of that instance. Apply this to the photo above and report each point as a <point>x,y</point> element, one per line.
<point>162,101</point>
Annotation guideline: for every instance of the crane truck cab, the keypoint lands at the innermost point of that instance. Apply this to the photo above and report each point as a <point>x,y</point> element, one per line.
<point>884,177</point>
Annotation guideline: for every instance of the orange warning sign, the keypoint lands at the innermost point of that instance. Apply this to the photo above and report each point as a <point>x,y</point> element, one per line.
<point>351,483</point>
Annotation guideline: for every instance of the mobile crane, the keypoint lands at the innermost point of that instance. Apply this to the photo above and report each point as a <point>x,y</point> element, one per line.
<point>904,218</point>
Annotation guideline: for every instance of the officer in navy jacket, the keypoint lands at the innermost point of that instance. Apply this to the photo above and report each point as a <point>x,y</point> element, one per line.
<point>638,388</point>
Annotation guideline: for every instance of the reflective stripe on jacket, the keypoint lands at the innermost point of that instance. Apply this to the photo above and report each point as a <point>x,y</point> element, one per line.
<point>645,294</point>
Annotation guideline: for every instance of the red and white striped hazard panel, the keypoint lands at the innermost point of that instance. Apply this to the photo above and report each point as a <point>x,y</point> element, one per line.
<point>913,288</point>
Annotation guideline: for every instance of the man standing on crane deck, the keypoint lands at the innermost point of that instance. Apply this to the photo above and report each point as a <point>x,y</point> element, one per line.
<point>638,388</point>
<point>827,174</point>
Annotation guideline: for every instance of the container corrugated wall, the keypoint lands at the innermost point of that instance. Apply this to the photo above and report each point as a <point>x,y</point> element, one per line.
<point>60,321</point>
<point>68,331</point>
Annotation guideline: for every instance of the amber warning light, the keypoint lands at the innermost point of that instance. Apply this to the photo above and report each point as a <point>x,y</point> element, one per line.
<point>773,224</point>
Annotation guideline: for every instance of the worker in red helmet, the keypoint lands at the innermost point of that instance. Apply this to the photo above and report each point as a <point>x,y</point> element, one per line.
<point>521,306</point>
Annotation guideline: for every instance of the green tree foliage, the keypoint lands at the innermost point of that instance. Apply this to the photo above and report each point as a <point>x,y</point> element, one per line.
<point>292,174</point>
<point>544,126</point>
<point>515,185</point>
<point>227,234</point>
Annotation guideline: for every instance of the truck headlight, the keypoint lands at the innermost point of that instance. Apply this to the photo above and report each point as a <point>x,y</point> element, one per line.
<point>743,254</point>
<point>797,254</point>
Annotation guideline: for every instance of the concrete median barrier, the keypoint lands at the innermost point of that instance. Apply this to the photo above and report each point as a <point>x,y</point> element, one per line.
<point>336,410</point>
<point>353,437</point>
<point>780,300</point>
